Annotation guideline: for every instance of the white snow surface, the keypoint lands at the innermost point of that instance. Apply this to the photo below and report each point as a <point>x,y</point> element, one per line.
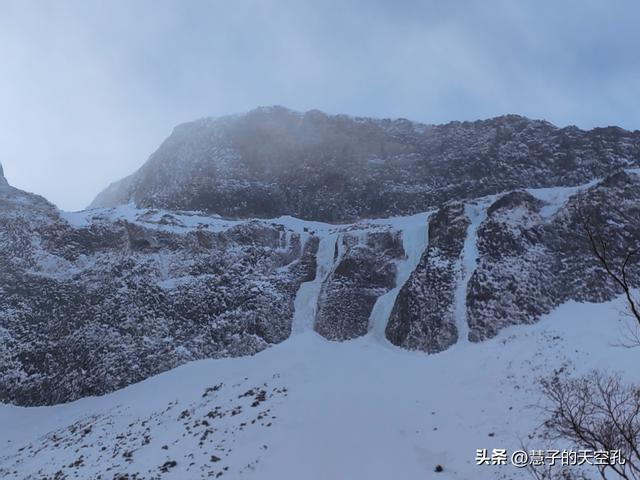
<point>351,410</point>
<point>557,197</point>
<point>177,222</point>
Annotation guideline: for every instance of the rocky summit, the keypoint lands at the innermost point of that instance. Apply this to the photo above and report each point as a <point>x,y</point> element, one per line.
<point>241,231</point>
<point>335,168</point>
<point>3,181</point>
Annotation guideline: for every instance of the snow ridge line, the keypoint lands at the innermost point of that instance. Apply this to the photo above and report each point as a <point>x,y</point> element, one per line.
<point>556,196</point>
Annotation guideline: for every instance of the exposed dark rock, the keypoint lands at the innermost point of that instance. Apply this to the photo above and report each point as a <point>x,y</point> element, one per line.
<point>365,270</point>
<point>86,310</point>
<point>272,161</point>
<point>3,181</point>
<point>531,261</point>
<point>423,316</point>
<point>532,257</point>
<point>514,273</point>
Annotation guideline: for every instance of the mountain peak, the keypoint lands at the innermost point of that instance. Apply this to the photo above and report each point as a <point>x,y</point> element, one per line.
<point>3,181</point>
<point>273,161</point>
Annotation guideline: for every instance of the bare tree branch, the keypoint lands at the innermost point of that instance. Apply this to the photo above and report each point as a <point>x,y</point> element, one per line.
<point>600,248</point>
<point>598,413</point>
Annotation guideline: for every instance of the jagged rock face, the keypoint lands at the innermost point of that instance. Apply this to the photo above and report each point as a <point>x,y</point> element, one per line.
<point>365,269</point>
<point>86,310</point>
<point>532,257</point>
<point>516,276</point>
<point>532,262</point>
<point>95,301</point>
<point>273,161</point>
<point>613,209</point>
<point>423,315</point>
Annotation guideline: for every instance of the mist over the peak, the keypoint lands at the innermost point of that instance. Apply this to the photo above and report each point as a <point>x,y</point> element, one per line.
<point>90,89</point>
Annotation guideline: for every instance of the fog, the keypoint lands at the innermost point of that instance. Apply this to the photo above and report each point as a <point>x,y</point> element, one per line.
<point>88,89</point>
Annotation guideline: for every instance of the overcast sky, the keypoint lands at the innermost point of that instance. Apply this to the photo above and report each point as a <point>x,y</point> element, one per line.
<point>88,89</point>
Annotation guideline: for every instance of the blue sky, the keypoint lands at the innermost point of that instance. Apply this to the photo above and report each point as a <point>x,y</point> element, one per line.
<point>88,89</point>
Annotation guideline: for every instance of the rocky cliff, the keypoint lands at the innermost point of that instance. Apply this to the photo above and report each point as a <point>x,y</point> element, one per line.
<point>92,304</point>
<point>96,300</point>
<point>273,161</point>
<point>508,259</point>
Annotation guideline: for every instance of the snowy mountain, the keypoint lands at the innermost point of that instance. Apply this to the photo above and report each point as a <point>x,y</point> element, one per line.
<point>273,161</point>
<point>94,301</point>
<point>305,260</point>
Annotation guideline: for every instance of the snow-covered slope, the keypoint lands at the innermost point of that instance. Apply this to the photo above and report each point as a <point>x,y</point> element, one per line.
<point>313,409</point>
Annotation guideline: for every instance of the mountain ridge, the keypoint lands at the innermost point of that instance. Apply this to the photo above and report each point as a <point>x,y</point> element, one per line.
<point>336,168</point>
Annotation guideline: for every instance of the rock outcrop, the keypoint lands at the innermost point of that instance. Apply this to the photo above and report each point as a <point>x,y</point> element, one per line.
<point>365,270</point>
<point>532,255</point>
<point>423,315</point>
<point>3,181</point>
<point>535,256</point>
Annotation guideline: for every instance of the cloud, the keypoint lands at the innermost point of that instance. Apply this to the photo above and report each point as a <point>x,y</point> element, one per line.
<point>89,89</point>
